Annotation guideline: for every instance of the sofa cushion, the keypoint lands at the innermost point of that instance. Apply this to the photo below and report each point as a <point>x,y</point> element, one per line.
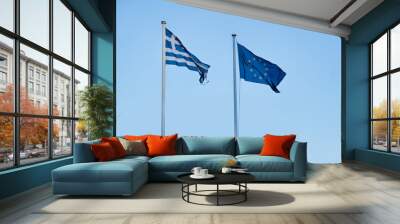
<point>249,145</point>
<point>257,163</point>
<point>194,145</point>
<point>277,145</point>
<point>111,171</point>
<point>185,163</point>
<point>161,145</point>
<point>132,158</point>
<point>103,152</point>
<point>116,145</point>
<point>136,137</point>
<point>136,147</point>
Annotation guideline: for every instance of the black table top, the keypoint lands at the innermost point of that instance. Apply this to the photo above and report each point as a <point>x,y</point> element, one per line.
<point>220,178</point>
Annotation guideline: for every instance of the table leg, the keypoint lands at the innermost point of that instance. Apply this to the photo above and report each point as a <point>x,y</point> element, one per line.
<point>245,193</point>
<point>195,188</point>
<point>217,194</point>
<point>188,190</point>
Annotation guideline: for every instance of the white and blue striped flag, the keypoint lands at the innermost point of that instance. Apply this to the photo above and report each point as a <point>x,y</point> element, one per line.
<point>177,54</point>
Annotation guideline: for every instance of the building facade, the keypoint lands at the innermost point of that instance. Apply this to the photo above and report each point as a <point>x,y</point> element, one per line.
<point>34,82</point>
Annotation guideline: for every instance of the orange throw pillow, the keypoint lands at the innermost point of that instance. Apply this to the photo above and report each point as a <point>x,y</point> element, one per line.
<point>277,145</point>
<point>161,145</point>
<point>136,137</point>
<point>116,145</point>
<point>103,152</point>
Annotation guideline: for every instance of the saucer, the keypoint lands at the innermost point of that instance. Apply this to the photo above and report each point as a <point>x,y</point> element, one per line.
<point>208,176</point>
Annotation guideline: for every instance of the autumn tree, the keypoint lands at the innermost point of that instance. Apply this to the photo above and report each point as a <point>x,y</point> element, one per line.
<point>33,131</point>
<point>380,127</point>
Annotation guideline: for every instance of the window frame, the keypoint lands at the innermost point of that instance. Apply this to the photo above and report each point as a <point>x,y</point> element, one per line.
<point>16,114</point>
<point>388,74</point>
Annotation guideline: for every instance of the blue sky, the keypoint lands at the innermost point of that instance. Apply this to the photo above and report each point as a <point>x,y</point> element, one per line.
<point>308,105</point>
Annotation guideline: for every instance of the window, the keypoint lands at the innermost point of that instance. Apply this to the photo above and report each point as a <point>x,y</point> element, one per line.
<point>3,72</point>
<point>81,82</point>
<point>33,148</point>
<point>30,87</point>
<point>62,137</point>
<point>6,142</point>
<point>385,91</point>
<point>3,78</point>
<point>7,14</point>
<point>30,72</point>
<point>81,45</point>
<point>3,61</point>
<point>61,75</point>
<point>44,131</point>
<point>37,75</point>
<point>6,73</point>
<point>44,91</point>
<point>37,90</point>
<point>35,21</point>
<point>62,29</point>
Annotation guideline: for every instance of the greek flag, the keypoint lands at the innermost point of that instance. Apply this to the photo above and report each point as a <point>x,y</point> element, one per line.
<point>177,54</point>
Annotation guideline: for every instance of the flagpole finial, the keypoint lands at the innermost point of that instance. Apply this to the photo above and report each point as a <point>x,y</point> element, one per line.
<point>163,22</point>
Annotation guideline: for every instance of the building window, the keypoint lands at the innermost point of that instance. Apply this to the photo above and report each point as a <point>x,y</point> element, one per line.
<point>3,61</point>
<point>55,126</point>
<point>37,75</point>
<point>44,91</point>
<point>30,87</point>
<point>3,78</point>
<point>385,91</point>
<point>38,89</point>
<point>30,72</point>
<point>3,72</point>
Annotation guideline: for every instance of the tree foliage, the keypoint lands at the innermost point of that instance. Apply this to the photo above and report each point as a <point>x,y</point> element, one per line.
<point>97,104</point>
<point>33,131</point>
<point>380,127</point>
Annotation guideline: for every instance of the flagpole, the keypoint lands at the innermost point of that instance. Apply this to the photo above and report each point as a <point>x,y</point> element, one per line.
<point>163,25</point>
<point>235,113</point>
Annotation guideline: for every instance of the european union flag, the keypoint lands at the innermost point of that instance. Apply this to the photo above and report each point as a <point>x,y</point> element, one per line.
<point>256,69</point>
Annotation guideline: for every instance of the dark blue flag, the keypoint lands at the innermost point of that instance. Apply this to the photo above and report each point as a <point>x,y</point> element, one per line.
<point>256,69</point>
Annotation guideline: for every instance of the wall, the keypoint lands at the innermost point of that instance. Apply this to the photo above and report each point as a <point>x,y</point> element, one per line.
<point>24,178</point>
<point>308,103</point>
<point>103,61</point>
<point>356,72</point>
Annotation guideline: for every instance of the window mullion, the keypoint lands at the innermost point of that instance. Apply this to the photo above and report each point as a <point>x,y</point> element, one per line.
<point>50,77</point>
<point>16,83</point>
<point>371,137</point>
<point>389,100</point>
<point>73,82</point>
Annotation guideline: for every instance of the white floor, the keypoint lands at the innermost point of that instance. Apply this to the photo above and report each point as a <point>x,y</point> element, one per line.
<point>377,190</point>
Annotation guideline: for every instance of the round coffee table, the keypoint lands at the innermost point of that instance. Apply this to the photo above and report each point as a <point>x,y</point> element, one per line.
<point>238,179</point>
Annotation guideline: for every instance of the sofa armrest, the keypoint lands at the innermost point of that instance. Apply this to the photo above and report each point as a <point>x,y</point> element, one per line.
<point>298,155</point>
<point>83,152</point>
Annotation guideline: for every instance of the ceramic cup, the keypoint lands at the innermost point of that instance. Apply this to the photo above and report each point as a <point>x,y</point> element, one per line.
<point>226,170</point>
<point>196,171</point>
<point>203,172</point>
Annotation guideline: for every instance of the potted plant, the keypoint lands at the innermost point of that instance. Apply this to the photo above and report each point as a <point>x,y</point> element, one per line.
<point>96,102</point>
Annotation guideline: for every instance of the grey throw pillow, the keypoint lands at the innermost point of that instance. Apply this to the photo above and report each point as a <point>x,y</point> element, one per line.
<point>137,148</point>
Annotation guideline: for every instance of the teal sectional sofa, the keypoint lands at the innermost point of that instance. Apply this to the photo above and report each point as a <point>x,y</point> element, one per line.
<point>125,176</point>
